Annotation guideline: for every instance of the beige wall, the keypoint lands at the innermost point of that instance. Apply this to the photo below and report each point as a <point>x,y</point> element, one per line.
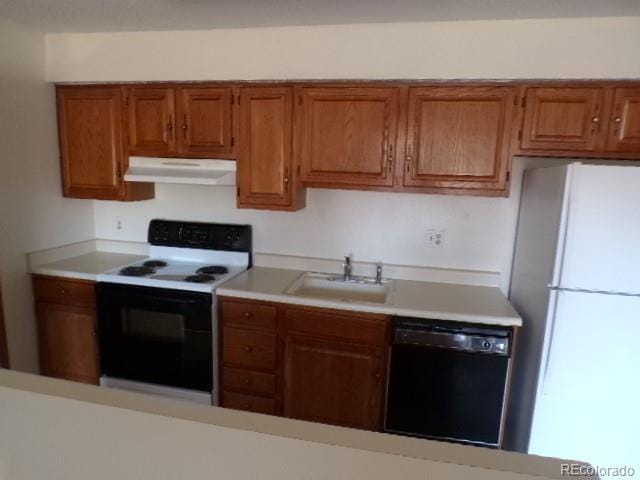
<point>33,214</point>
<point>479,232</point>
<point>589,47</point>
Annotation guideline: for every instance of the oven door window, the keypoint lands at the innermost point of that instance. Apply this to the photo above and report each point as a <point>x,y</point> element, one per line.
<point>153,326</point>
<point>156,336</point>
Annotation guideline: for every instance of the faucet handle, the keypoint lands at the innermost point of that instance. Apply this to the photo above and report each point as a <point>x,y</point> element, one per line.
<point>379,273</point>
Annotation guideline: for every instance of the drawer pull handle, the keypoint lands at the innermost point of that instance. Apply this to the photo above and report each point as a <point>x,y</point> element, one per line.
<point>64,291</point>
<point>595,119</point>
<point>247,314</point>
<point>248,349</point>
<point>617,119</point>
<point>247,381</point>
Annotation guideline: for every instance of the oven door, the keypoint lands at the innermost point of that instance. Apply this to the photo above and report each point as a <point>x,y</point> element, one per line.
<point>156,335</point>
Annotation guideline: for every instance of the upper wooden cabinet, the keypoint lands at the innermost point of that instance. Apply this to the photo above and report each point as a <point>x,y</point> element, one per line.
<point>266,177</point>
<point>171,121</point>
<point>205,121</point>
<point>624,129</point>
<point>347,135</point>
<point>151,121</point>
<point>562,118</point>
<point>459,137</point>
<point>595,120</point>
<point>92,147</point>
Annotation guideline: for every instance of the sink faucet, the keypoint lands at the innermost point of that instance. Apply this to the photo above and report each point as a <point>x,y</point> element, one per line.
<point>346,276</point>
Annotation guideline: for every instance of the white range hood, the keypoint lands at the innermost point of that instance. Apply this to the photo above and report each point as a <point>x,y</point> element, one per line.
<point>200,171</point>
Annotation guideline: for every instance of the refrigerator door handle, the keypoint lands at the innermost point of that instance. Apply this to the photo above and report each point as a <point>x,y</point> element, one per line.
<point>548,343</point>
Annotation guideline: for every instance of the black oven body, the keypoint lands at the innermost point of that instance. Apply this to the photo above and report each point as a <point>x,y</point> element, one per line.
<point>155,335</point>
<point>448,381</point>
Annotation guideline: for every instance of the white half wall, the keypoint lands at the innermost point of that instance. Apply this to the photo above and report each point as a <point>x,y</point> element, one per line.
<point>33,213</point>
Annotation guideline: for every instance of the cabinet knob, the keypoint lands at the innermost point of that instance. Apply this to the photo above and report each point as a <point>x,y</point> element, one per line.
<point>248,349</point>
<point>247,406</point>
<point>286,179</point>
<point>378,376</point>
<point>247,381</point>
<point>247,314</point>
<point>617,119</point>
<point>64,291</point>
<point>595,119</point>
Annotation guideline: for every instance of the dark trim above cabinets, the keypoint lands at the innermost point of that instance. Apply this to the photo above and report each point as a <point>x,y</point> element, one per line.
<point>450,137</point>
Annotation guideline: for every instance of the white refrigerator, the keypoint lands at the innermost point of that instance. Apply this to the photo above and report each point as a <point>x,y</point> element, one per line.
<point>576,283</point>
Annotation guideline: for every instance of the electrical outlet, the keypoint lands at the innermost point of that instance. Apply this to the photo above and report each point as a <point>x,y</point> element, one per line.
<point>119,223</point>
<point>435,238</point>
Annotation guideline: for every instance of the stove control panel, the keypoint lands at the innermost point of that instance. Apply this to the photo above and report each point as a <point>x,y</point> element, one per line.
<point>209,236</point>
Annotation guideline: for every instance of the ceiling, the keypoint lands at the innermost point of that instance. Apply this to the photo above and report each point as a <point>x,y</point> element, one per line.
<point>135,15</point>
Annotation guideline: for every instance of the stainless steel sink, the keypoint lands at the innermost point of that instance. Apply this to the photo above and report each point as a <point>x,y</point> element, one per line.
<point>335,287</point>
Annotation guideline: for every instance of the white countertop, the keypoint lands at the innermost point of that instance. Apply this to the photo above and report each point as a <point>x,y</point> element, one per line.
<point>86,266</point>
<point>442,301</point>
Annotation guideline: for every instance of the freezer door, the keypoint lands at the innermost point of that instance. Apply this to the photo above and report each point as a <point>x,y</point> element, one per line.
<point>587,405</point>
<point>602,246</point>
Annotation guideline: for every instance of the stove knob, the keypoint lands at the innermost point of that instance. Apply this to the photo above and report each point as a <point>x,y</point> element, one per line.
<point>486,344</point>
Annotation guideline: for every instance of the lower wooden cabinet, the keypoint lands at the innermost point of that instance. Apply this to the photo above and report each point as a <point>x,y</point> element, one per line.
<point>312,364</point>
<point>333,382</point>
<point>67,327</point>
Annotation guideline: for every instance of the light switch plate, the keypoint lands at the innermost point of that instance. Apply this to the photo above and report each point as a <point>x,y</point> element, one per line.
<point>435,238</point>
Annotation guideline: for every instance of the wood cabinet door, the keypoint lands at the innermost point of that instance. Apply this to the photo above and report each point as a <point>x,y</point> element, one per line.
<point>91,141</point>
<point>624,129</point>
<point>205,121</point>
<point>459,137</point>
<point>67,342</point>
<point>566,118</point>
<point>347,135</point>
<point>265,150</point>
<point>332,382</point>
<point>151,121</point>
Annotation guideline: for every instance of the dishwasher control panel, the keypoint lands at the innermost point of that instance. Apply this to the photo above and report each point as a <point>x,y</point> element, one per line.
<point>440,334</point>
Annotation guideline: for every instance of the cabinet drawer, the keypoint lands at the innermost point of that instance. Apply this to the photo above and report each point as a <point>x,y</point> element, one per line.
<point>249,314</point>
<point>249,348</point>
<point>255,382</point>
<point>360,328</point>
<point>249,403</point>
<point>63,291</point>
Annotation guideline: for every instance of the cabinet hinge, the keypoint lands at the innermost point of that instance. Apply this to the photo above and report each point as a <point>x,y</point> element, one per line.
<point>524,101</point>
<point>508,176</point>
<point>298,170</point>
<point>126,100</point>
<point>233,141</point>
<point>238,192</point>
<point>519,134</point>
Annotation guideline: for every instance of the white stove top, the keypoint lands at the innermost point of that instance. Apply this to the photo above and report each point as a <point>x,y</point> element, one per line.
<point>181,269</point>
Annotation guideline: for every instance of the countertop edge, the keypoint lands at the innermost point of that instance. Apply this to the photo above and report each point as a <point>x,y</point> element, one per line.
<point>63,274</point>
<point>367,308</point>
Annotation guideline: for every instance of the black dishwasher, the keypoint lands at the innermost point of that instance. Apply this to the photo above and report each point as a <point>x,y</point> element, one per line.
<point>448,380</point>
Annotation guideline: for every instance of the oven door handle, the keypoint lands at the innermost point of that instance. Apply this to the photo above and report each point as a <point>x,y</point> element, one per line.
<point>121,298</point>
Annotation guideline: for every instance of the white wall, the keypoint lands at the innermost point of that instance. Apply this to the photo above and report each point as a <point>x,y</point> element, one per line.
<point>549,48</point>
<point>374,226</point>
<point>33,214</point>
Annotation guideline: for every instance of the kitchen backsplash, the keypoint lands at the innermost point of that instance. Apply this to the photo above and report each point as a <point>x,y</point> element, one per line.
<point>373,226</point>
